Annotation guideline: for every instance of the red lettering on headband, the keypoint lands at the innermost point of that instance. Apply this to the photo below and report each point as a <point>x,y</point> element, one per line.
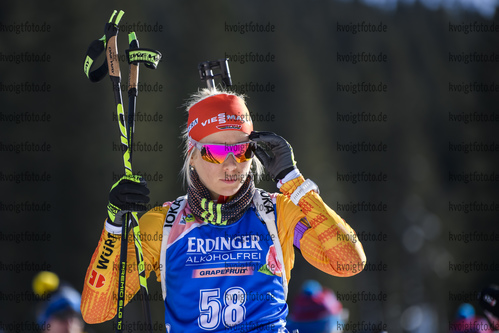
<point>217,113</point>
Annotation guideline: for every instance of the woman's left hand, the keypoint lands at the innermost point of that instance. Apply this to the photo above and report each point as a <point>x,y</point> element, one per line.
<point>282,160</point>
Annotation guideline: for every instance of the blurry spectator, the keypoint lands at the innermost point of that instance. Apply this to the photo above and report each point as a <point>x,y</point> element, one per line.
<point>488,299</point>
<point>59,308</point>
<point>467,322</point>
<point>316,310</point>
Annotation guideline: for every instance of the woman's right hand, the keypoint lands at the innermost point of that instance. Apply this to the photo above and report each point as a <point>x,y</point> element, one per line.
<point>129,194</point>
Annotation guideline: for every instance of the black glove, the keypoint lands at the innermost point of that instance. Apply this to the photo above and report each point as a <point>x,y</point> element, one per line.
<point>281,161</point>
<point>129,194</point>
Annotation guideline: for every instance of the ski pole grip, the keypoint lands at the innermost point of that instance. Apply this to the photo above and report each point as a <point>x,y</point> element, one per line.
<point>111,31</point>
<point>133,75</point>
<point>98,46</point>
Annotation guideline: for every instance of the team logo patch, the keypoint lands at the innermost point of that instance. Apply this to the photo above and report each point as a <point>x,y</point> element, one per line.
<point>229,127</point>
<point>189,218</point>
<point>273,265</point>
<point>97,280</point>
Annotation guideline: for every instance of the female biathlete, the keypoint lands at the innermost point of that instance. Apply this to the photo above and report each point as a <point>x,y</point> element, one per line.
<point>226,249</point>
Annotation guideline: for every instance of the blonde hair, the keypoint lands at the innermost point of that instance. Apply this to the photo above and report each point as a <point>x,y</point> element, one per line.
<point>256,166</point>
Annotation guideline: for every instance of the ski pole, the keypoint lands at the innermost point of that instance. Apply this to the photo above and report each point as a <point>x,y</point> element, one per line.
<point>133,80</point>
<point>150,58</point>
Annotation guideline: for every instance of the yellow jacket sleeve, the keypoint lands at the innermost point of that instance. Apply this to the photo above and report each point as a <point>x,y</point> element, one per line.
<point>99,297</point>
<point>329,243</point>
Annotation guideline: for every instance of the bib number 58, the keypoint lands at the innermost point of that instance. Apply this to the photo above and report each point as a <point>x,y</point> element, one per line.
<point>211,311</point>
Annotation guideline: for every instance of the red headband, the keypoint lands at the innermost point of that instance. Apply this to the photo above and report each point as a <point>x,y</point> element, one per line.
<point>217,113</point>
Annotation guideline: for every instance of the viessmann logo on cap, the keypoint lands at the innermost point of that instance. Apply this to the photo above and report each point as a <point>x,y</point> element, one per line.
<point>222,118</point>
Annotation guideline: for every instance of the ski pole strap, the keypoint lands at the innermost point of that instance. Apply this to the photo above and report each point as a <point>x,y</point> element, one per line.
<point>149,57</point>
<point>98,46</point>
<point>94,50</point>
